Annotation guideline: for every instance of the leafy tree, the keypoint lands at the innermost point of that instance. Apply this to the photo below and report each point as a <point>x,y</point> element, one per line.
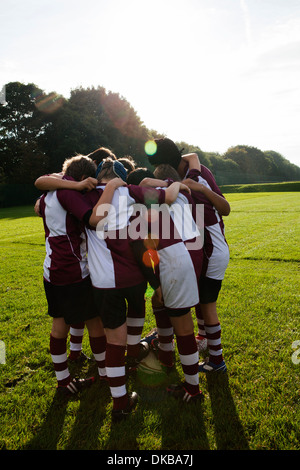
<point>90,119</point>
<point>20,126</point>
<point>281,167</point>
<point>39,131</point>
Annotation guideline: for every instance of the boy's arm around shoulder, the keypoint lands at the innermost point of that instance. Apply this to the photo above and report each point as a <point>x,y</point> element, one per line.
<point>55,181</point>
<point>219,202</point>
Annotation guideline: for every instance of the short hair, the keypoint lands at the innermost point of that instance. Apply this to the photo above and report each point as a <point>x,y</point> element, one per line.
<point>164,171</point>
<point>128,162</point>
<point>78,167</point>
<point>166,152</point>
<point>137,175</point>
<point>100,154</point>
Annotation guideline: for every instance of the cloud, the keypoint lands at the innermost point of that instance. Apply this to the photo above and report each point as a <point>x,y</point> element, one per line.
<point>286,55</point>
<point>247,21</point>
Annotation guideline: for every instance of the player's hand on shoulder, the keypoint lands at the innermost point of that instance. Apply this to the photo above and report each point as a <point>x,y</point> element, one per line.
<point>184,187</point>
<point>116,182</point>
<point>87,184</point>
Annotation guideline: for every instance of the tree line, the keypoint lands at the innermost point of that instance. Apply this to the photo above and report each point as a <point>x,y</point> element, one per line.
<point>38,131</point>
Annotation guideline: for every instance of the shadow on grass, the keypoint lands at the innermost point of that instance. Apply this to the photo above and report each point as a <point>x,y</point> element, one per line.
<point>85,430</point>
<point>183,426</point>
<point>48,435</point>
<point>90,417</point>
<point>18,212</point>
<point>228,429</point>
<point>160,422</point>
<point>179,426</point>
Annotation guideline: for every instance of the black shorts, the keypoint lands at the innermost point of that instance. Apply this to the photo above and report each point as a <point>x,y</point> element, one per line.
<point>209,290</point>
<point>73,302</point>
<point>114,303</point>
<point>177,312</point>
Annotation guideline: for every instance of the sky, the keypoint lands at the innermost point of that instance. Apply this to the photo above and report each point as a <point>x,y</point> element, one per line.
<point>212,73</point>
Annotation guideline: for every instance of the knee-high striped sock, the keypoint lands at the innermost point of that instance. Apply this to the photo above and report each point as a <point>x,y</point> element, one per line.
<point>58,351</point>
<point>213,333</point>
<point>135,323</point>
<point>189,358</point>
<point>200,321</point>
<point>115,370</point>
<point>165,337</point>
<point>98,347</point>
<point>76,336</point>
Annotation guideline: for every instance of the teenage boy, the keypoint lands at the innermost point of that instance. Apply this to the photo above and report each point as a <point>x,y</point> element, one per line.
<point>216,248</point>
<point>179,250</point>
<point>66,276</point>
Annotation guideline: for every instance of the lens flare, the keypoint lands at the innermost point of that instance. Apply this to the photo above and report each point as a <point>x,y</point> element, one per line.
<point>151,258</point>
<point>49,103</point>
<point>150,147</point>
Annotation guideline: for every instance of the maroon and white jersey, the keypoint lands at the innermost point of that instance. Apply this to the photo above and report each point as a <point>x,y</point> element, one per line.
<point>112,263</point>
<point>180,252</point>
<point>215,246</point>
<point>66,255</point>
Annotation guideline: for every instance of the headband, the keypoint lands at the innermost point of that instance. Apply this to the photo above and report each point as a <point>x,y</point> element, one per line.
<point>118,169</point>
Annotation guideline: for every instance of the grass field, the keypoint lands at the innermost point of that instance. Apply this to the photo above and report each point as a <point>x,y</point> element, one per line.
<point>254,406</point>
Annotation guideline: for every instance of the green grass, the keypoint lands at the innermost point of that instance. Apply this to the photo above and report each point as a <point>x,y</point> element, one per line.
<point>254,406</point>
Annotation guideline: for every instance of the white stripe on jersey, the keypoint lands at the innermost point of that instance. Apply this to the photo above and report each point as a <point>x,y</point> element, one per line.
<point>55,220</point>
<point>55,215</point>
<point>219,259</point>
<point>182,217</point>
<point>121,209</point>
<point>100,262</point>
<point>47,261</point>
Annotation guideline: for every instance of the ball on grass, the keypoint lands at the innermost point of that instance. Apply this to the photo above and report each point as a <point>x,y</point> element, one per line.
<point>150,372</point>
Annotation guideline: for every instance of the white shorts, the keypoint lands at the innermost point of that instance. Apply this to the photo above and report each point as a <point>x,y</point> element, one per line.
<point>178,279</point>
<point>219,259</point>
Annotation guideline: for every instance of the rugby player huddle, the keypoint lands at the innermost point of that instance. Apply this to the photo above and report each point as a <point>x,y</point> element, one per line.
<point>109,232</point>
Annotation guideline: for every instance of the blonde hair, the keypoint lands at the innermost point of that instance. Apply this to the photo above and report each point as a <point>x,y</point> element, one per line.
<point>165,171</point>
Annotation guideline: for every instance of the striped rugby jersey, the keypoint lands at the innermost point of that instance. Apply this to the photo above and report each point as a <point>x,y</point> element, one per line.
<point>215,245</point>
<point>180,252</point>
<point>112,263</point>
<point>66,254</point>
